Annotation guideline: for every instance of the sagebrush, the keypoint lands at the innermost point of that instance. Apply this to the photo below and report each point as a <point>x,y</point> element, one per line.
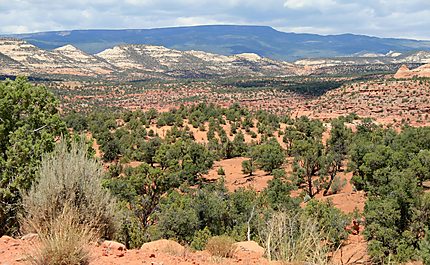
<point>68,177</point>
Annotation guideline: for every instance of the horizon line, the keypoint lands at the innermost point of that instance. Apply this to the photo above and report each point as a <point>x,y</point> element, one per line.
<point>206,25</point>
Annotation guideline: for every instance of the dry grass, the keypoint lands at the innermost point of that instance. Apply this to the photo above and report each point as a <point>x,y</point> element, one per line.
<point>220,246</point>
<point>291,238</point>
<point>62,241</point>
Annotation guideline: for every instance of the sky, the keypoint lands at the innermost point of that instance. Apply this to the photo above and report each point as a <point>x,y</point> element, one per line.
<point>383,18</point>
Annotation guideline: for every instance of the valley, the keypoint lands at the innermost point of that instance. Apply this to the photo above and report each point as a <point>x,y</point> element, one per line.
<point>191,143</point>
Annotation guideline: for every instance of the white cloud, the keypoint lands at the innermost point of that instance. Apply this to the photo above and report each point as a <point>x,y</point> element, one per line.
<point>396,18</point>
<point>300,4</point>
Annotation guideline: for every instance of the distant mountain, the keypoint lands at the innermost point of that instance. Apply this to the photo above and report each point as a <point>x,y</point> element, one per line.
<point>133,62</point>
<point>229,40</point>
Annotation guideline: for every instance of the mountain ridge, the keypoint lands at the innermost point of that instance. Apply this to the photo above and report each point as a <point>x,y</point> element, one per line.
<point>228,40</point>
<point>133,61</point>
<point>140,61</point>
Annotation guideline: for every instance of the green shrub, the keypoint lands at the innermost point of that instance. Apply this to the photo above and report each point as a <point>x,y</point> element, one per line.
<point>201,238</point>
<point>248,167</point>
<point>331,221</point>
<point>221,171</point>
<point>29,124</point>
<point>337,185</point>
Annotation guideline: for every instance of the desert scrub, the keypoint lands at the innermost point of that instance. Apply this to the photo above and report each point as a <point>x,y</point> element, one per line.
<point>337,185</point>
<point>68,177</point>
<point>290,237</point>
<point>220,246</point>
<point>63,240</point>
<point>201,238</point>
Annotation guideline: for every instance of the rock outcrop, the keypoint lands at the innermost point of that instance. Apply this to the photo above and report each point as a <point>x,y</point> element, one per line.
<point>133,62</point>
<point>404,72</point>
<point>248,249</point>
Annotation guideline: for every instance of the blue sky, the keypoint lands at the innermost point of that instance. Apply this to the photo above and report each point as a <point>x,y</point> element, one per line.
<point>385,18</point>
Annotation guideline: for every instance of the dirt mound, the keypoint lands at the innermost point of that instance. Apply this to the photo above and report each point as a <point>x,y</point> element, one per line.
<point>12,251</point>
<point>354,251</point>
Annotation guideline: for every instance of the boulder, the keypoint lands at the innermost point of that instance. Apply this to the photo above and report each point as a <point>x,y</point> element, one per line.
<point>164,246</point>
<point>249,249</point>
<point>113,248</point>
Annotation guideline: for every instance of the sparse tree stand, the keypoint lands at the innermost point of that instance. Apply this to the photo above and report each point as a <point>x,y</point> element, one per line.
<point>268,156</point>
<point>29,125</point>
<point>248,167</point>
<point>307,162</point>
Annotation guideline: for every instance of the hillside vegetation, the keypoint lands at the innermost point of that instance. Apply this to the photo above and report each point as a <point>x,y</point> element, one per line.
<point>155,180</point>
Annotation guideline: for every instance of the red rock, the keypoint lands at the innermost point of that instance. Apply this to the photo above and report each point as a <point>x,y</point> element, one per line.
<point>113,248</point>
<point>404,72</point>
<point>113,245</point>
<point>249,249</point>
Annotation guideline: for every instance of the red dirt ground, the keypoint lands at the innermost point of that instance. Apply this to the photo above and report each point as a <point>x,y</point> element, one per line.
<point>15,252</point>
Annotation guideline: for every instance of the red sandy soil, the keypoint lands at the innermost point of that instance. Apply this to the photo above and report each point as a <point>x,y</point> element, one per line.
<point>16,252</point>
<point>234,178</point>
<point>165,252</point>
<point>346,200</point>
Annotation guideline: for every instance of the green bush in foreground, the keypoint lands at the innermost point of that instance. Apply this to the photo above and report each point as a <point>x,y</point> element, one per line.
<point>29,125</point>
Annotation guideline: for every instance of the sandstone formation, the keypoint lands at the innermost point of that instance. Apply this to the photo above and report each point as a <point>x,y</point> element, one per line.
<point>405,73</point>
<point>18,57</point>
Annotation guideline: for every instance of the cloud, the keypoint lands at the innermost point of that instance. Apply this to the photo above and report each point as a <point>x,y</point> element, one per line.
<point>301,4</point>
<point>387,18</point>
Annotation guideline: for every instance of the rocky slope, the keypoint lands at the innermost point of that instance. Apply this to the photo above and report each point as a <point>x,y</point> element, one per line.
<point>62,61</point>
<point>8,66</point>
<point>192,63</point>
<point>391,58</point>
<point>136,62</point>
<point>133,62</point>
<point>80,59</point>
